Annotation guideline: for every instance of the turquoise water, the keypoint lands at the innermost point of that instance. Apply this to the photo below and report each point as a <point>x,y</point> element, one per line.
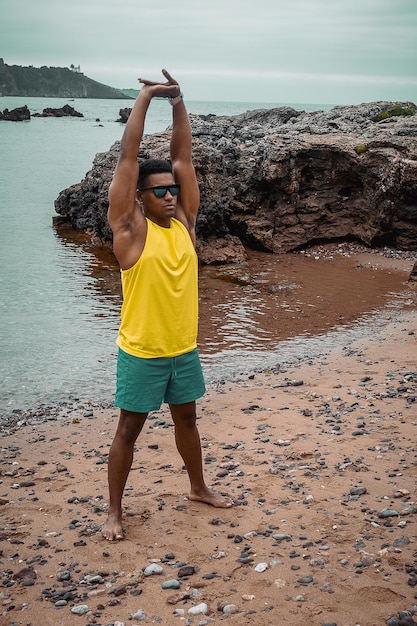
<point>59,307</point>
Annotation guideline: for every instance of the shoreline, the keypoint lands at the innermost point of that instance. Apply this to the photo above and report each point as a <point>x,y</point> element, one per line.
<point>319,457</point>
<point>287,350</point>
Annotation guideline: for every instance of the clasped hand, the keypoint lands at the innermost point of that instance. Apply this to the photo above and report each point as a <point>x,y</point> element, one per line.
<point>169,89</point>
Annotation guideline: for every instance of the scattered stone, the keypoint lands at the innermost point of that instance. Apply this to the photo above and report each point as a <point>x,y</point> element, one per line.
<point>385,513</point>
<point>261,567</point>
<point>186,570</point>
<point>199,609</point>
<point>139,615</point>
<point>80,609</point>
<point>24,575</point>
<point>153,569</point>
<point>171,584</point>
<point>306,580</point>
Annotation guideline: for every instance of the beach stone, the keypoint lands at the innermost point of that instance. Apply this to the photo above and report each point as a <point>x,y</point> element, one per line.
<point>281,537</point>
<point>409,510</point>
<point>153,569</point>
<point>186,570</point>
<point>139,615</point>
<point>171,584</point>
<point>387,513</point>
<point>95,580</point>
<point>401,541</point>
<point>306,580</point>
<point>80,609</point>
<point>229,609</point>
<point>261,567</point>
<point>64,575</point>
<point>199,609</point>
<point>367,560</point>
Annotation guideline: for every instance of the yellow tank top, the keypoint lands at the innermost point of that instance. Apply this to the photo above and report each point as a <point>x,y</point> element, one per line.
<point>159,316</point>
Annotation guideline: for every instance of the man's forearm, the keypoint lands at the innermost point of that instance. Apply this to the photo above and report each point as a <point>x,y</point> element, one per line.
<point>135,125</point>
<point>181,140</point>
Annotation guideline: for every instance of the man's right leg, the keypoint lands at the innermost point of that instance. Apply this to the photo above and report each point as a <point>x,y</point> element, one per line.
<point>120,461</point>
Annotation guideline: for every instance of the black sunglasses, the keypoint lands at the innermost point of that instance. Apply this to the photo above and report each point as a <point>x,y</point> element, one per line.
<point>161,190</point>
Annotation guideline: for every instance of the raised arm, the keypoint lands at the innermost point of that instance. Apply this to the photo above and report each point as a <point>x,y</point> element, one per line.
<point>122,191</point>
<point>184,172</point>
<point>125,216</point>
<point>181,155</point>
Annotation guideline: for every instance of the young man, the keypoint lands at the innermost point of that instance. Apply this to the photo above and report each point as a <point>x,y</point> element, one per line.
<point>152,214</point>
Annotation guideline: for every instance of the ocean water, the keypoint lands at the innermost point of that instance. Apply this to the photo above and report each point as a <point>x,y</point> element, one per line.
<point>59,306</point>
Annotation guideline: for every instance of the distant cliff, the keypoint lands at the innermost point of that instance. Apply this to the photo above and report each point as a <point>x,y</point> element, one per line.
<point>51,82</point>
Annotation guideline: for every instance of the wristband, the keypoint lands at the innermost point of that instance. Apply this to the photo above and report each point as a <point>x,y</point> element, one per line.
<point>174,101</point>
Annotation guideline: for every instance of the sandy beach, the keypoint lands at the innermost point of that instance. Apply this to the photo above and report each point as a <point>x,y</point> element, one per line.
<point>320,458</point>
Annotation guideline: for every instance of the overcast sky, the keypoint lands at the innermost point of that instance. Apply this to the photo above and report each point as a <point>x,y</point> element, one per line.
<point>292,51</point>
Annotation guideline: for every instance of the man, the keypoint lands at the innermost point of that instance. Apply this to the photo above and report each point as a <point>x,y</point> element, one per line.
<point>152,213</point>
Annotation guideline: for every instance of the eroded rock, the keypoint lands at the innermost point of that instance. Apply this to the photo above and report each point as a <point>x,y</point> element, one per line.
<point>279,179</point>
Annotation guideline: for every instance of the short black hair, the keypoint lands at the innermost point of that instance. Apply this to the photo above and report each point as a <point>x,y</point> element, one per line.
<point>152,166</point>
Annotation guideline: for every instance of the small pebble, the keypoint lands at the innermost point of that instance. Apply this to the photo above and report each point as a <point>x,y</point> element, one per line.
<point>80,609</point>
<point>139,615</point>
<point>199,609</point>
<point>261,567</point>
<point>171,584</point>
<point>153,568</point>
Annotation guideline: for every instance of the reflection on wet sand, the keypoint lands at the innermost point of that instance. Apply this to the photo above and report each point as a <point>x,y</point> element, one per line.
<point>249,312</point>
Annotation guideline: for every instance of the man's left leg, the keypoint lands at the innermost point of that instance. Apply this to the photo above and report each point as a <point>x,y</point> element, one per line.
<point>188,443</point>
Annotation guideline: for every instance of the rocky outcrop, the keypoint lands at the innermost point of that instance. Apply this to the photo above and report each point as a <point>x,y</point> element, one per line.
<point>19,114</point>
<point>65,111</point>
<point>280,179</point>
<point>124,115</point>
<point>22,113</point>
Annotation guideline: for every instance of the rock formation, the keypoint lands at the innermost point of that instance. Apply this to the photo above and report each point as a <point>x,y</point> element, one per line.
<point>65,111</point>
<point>280,179</point>
<point>15,115</point>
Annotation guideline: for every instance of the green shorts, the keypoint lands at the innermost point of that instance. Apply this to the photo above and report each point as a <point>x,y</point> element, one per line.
<point>143,384</point>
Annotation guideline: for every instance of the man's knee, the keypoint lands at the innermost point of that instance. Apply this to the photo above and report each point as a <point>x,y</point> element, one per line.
<point>130,425</point>
<point>184,415</point>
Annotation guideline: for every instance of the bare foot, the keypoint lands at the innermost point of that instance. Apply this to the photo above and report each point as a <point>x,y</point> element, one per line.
<point>112,529</point>
<point>212,497</point>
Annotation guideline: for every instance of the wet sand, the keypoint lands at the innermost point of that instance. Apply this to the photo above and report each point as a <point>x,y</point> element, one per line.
<point>319,456</point>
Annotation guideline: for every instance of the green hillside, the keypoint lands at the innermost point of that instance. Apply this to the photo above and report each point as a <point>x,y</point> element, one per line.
<point>52,82</point>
